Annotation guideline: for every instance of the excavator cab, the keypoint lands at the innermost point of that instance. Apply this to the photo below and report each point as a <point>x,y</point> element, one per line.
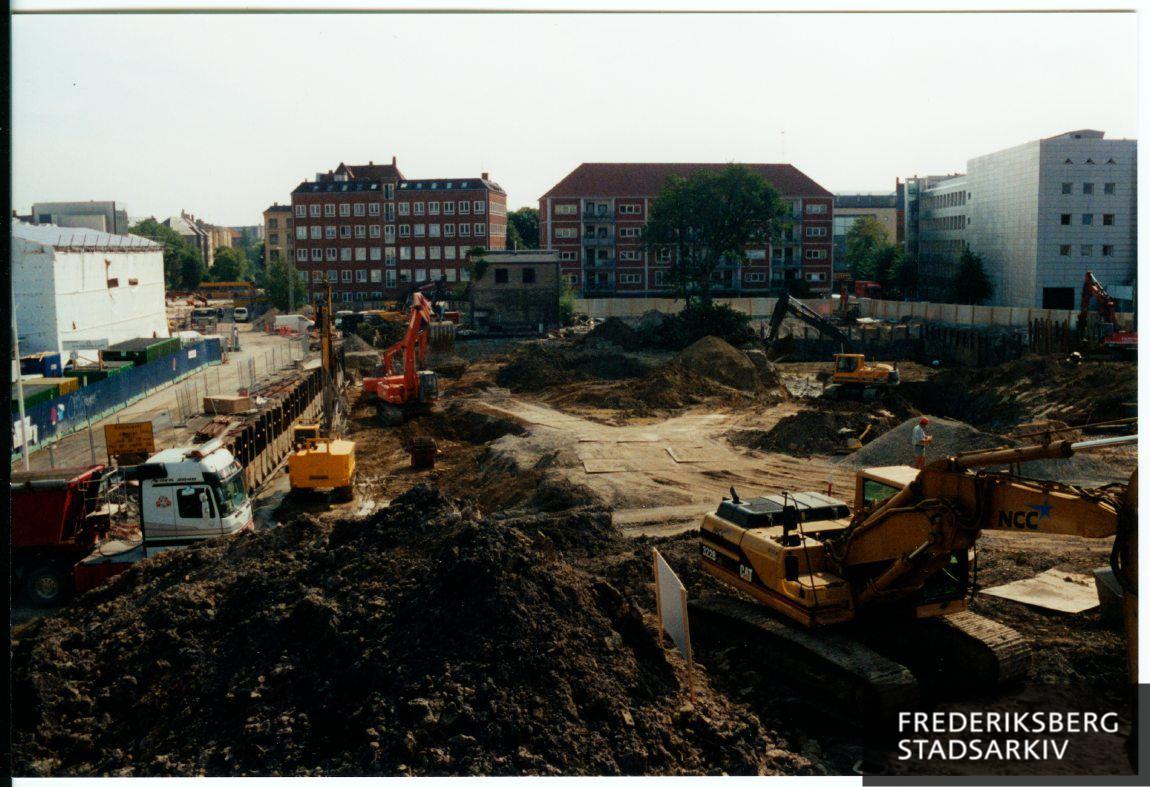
<point>847,364</point>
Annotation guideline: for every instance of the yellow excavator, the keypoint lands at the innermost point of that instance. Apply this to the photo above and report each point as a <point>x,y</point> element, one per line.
<point>321,461</point>
<point>868,596</point>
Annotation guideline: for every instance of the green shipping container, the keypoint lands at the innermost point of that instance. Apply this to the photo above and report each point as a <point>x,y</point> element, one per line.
<point>94,374</point>
<point>34,393</point>
<point>141,351</point>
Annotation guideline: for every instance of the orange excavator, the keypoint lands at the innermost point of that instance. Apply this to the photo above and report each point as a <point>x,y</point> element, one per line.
<point>401,384</point>
<point>1117,339</point>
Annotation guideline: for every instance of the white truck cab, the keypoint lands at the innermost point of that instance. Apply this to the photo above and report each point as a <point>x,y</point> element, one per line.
<point>186,495</point>
<point>200,494</point>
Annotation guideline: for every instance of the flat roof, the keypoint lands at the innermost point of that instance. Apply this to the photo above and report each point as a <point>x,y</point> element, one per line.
<point>78,237</point>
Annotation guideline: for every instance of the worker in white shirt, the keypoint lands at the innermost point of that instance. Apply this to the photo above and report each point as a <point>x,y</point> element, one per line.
<point>921,440</point>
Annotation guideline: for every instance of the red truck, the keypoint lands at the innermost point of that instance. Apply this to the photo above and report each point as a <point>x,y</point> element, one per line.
<point>57,519</point>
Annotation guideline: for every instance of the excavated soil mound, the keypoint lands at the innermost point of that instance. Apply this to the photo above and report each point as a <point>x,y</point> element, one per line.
<point>951,437</point>
<point>1028,389</point>
<point>713,358</point>
<point>423,640</point>
<point>451,366</point>
<point>353,343</point>
<point>821,431</point>
<point>617,332</point>
<point>537,368</point>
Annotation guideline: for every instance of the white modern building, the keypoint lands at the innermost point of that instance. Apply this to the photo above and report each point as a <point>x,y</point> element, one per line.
<point>1040,215</point>
<point>77,289</point>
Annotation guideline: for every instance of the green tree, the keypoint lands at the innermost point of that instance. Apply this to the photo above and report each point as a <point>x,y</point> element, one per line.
<point>707,220</point>
<point>904,276</point>
<point>182,262</point>
<point>275,283</point>
<point>972,285</point>
<point>864,239</point>
<point>523,229</point>
<point>229,265</point>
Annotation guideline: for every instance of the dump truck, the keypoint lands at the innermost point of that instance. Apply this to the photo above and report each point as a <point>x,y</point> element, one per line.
<point>61,518</point>
<point>870,597</point>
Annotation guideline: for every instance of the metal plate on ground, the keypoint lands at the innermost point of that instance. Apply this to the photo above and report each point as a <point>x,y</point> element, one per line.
<point>1053,589</point>
<point>688,453</point>
<point>604,466</point>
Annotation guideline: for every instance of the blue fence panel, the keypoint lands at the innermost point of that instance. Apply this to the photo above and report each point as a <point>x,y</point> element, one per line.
<point>49,421</point>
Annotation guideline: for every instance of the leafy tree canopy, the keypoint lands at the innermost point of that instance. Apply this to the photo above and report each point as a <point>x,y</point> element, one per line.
<point>972,285</point>
<point>230,264</point>
<point>523,229</point>
<point>183,268</point>
<point>707,220</point>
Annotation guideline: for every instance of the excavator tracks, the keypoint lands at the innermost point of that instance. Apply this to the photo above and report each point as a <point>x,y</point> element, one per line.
<point>869,671</point>
<point>855,681</point>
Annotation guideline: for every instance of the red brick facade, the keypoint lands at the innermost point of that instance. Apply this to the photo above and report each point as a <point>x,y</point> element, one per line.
<point>595,215</point>
<point>374,234</point>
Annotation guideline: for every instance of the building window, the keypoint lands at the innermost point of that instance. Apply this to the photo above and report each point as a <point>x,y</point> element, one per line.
<point>816,232</point>
<point>389,191</point>
<point>1065,218</point>
<point>329,209</point>
<point>301,255</point>
<point>405,209</point>
<point>421,274</point>
<point>566,210</point>
<point>1107,251</point>
<point>464,206</point>
<point>360,231</point>
<point>816,254</point>
<point>1087,219</point>
<point>816,277</point>
<point>345,276</point>
<point>1064,250</point>
<point>361,276</point>
<point>313,210</point>
<point>756,278</point>
<point>420,230</point>
<point>1086,250</point>
<point>566,232</point>
<point>301,232</point>
<point>316,232</point>
<point>332,275</point>
<point>500,275</point>
<point>389,279</point>
<point>405,277</point>
<point>817,208</point>
<point>421,252</point>
<point>480,229</point>
<point>344,210</point>
<point>629,210</point>
<point>373,209</point>
<point>1109,188</point>
<point>361,254</point>
<point>405,230</point>
<point>449,230</point>
<point>418,208</point>
<point>301,211</point>
<point>345,254</point>
<point>317,276</point>
<point>630,278</point>
<point>376,254</point>
<point>1067,188</point>
<point>317,255</point>
<point>663,255</point>
<point>389,255</point>
<point>433,230</point>
<point>465,230</point>
<point>629,232</point>
<point>389,233</point>
<point>1087,188</point>
<point>433,209</point>
<point>570,255</point>
<point>1108,219</point>
<point>329,232</point>
<point>389,212</point>
<point>528,275</point>
<point>449,209</point>
<point>358,209</point>
<point>376,276</point>
<point>480,206</point>
<point>630,256</point>
<point>330,254</point>
<point>345,296</point>
<point>448,252</point>
<point>373,230</point>
<point>345,231</point>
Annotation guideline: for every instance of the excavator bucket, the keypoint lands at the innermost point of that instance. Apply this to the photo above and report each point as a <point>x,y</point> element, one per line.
<point>442,336</point>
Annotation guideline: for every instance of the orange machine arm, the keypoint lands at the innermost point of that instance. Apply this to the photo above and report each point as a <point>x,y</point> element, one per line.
<point>413,346</point>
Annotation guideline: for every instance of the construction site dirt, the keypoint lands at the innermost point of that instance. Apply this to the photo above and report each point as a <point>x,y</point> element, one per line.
<point>496,614</point>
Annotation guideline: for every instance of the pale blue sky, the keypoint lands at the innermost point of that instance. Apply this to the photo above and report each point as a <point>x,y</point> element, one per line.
<point>222,115</point>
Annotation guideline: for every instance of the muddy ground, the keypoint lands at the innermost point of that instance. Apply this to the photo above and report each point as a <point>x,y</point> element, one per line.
<point>500,618</point>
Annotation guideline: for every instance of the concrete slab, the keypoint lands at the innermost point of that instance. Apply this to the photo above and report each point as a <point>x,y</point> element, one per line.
<point>1053,589</point>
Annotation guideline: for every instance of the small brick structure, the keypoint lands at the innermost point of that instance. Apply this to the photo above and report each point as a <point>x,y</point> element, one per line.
<point>518,292</point>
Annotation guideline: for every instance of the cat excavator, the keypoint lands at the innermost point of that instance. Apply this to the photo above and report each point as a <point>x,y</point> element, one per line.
<point>865,600</point>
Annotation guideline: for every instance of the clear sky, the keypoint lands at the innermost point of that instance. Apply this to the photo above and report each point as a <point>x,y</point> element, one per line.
<point>223,115</point>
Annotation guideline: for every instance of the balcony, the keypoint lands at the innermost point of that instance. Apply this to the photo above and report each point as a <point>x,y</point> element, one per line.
<point>607,264</point>
<point>589,240</point>
<point>596,216</point>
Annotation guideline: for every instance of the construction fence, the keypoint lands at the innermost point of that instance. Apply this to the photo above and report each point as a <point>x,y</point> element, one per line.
<point>46,422</point>
<point>761,308</point>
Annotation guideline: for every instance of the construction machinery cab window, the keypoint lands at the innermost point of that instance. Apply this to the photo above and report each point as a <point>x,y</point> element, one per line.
<point>846,363</point>
<point>192,502</point>
<point>231,494</point>
<point>876,492</point>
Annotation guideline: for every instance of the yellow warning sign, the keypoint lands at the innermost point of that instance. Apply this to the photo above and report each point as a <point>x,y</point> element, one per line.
<point>129,438</point>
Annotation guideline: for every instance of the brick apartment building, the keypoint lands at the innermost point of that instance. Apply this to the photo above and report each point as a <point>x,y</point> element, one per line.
<point>374,234</point>
<point>594,218</point>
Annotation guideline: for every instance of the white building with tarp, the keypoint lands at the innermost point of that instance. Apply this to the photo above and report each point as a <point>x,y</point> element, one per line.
<point>79,289</point>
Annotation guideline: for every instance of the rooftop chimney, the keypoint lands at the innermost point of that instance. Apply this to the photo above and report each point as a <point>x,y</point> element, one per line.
<point>485,175</point>
<point>393,161</point>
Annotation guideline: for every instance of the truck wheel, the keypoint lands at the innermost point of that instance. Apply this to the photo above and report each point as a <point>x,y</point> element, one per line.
<point>47,586</point>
